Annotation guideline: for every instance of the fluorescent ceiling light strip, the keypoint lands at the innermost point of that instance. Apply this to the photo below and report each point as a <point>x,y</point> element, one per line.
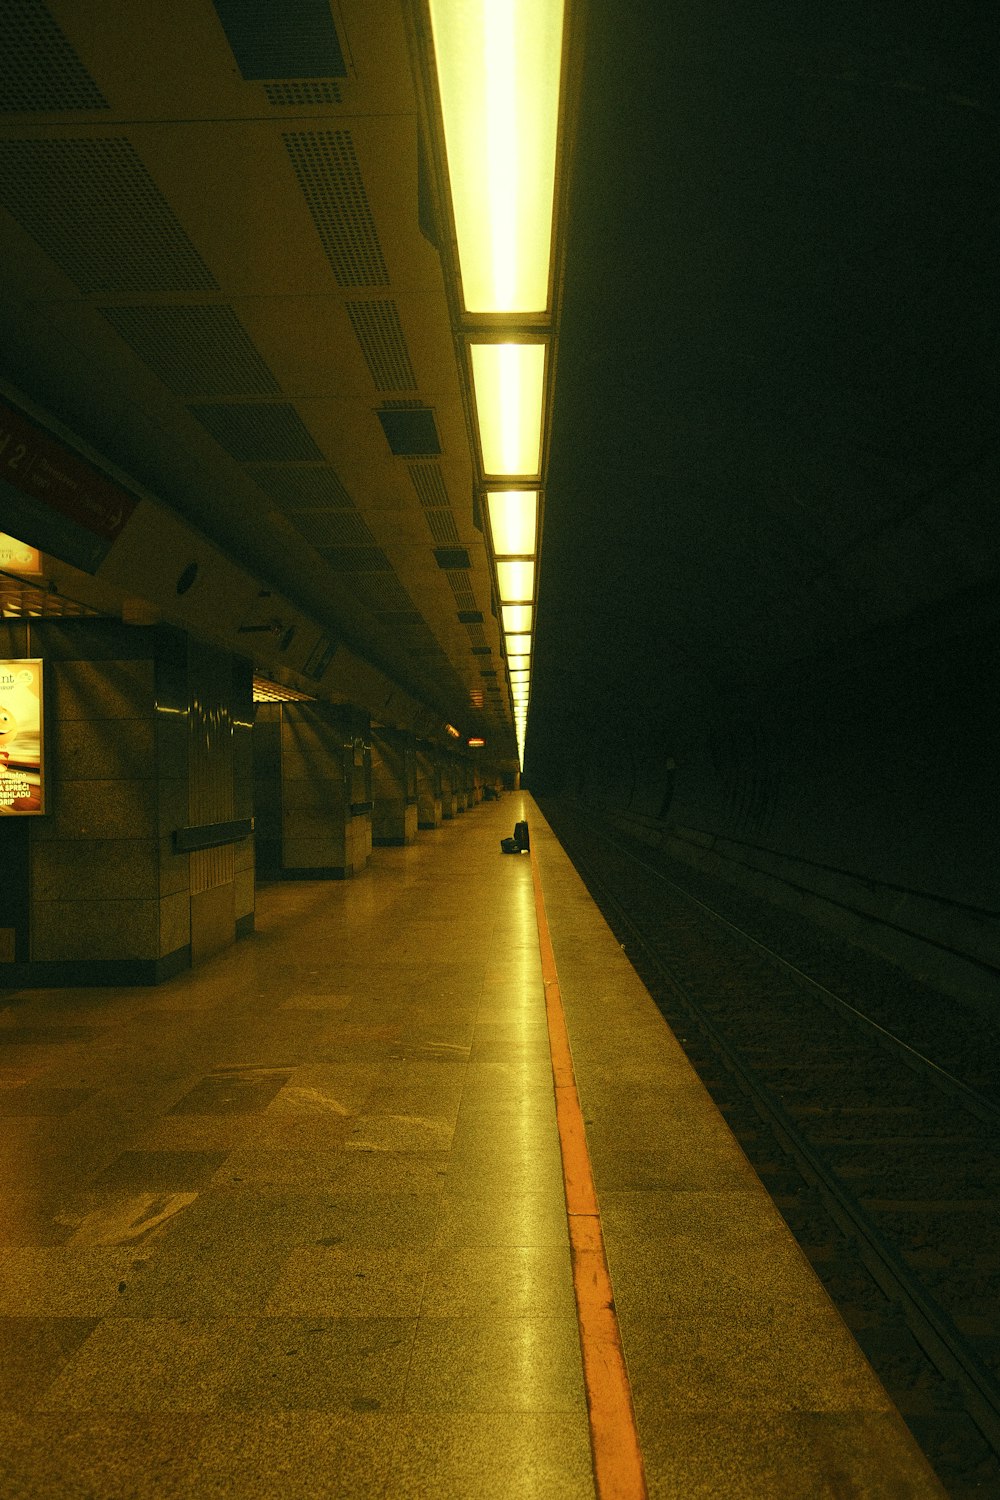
<point>516,617</point>
<point>509,382</point>
<point>514,662</point>
<point>518,645</point>
<point>515,581</point>
<point>513,521</point>
<point>498,66</point>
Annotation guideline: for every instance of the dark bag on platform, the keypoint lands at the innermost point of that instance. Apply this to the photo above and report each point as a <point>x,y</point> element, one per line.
<point>519,843</point>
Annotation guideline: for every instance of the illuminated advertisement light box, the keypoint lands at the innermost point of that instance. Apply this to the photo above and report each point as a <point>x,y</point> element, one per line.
<point>22,760</point>
<point>18,557</point>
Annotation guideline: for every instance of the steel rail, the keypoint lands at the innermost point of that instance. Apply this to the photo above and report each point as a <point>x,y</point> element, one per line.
<point>928,1322</point>
<point>977,1103</point>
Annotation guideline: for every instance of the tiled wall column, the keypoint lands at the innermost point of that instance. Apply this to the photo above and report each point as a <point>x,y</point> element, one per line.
<point>429,806</point>
<point>109,896</point>
<point>267,789</point>
<point>394,787</point>
<point>325,760</point>
<point>449,802</point>
<point>461,786</point>
<point>360,832</point>
<point>103,891</point>
<point>220,797</point>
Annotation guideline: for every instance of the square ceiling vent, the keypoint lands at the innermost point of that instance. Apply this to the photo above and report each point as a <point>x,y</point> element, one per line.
<point>452,557</point>
<point>410,432</point>
<point>296,39</point>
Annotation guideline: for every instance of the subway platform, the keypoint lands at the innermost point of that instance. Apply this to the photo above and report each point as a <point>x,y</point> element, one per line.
<point>295,1223</point>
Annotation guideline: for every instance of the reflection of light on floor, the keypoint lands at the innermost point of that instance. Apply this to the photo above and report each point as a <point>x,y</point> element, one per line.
<point>306,1101</point>
<point>529,1348</point>
<point>122,1223</point>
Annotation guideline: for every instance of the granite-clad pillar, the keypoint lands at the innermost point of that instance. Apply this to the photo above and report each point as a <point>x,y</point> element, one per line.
<point>461,786</point>
<point>394,787</point>
<point>449,801</point>
<point>429,804</point>
<point>267,789</point>
<point>142,860</point>
<point>218,836</point>
<point>312,785</point>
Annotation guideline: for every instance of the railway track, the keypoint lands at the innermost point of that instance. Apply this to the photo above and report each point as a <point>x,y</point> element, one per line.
<point>881,1156</point>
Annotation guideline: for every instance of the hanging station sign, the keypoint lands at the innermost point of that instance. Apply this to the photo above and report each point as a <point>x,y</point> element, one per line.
<point>22,760</point>
<point>54,495</point>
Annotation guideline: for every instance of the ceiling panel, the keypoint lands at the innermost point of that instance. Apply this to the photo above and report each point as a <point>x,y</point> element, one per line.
<point>236,300</point>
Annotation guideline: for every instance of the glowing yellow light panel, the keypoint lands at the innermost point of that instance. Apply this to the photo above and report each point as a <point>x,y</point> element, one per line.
<point>498,66</point>
<point>509,381</point>
<point>515,662</point>
<point>516,617</point>
<point>513,518</point>
<point>516,581</point>
<point>519,645</point>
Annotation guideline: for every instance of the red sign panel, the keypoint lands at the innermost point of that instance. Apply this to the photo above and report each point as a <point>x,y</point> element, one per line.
<point>71,509</point>
<point>39,465</point>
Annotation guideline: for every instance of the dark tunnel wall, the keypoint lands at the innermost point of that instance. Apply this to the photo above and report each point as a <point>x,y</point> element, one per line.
<point>768,595</point>
<point>860,784</point>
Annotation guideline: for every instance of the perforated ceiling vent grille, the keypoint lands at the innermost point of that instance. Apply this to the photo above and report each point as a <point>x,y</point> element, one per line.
<point>378,331</point>
<point>422,641</point>
<point>336,528</point>
<point>428,481</point>
<point>311,488</point>
<point>38,68</point>
<point>269,430</point>
<point>310,91</point>
<point>330,178</point>
<point>356,559</point>
<point>196,351</point>
<point>460,587</point>
<point>94,208</point>
<point>383,593</point>
<point>293,39</point>
<point>477,635</point>
<point>442,526</point>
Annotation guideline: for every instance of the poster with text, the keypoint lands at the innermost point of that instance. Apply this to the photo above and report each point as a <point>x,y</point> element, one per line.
<point>22,765</point>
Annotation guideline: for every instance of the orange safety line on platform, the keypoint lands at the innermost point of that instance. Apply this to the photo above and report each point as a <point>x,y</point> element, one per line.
<point>614,1438</point>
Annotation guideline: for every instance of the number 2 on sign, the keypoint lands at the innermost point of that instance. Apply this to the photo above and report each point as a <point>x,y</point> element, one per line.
<point>17,454</point>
